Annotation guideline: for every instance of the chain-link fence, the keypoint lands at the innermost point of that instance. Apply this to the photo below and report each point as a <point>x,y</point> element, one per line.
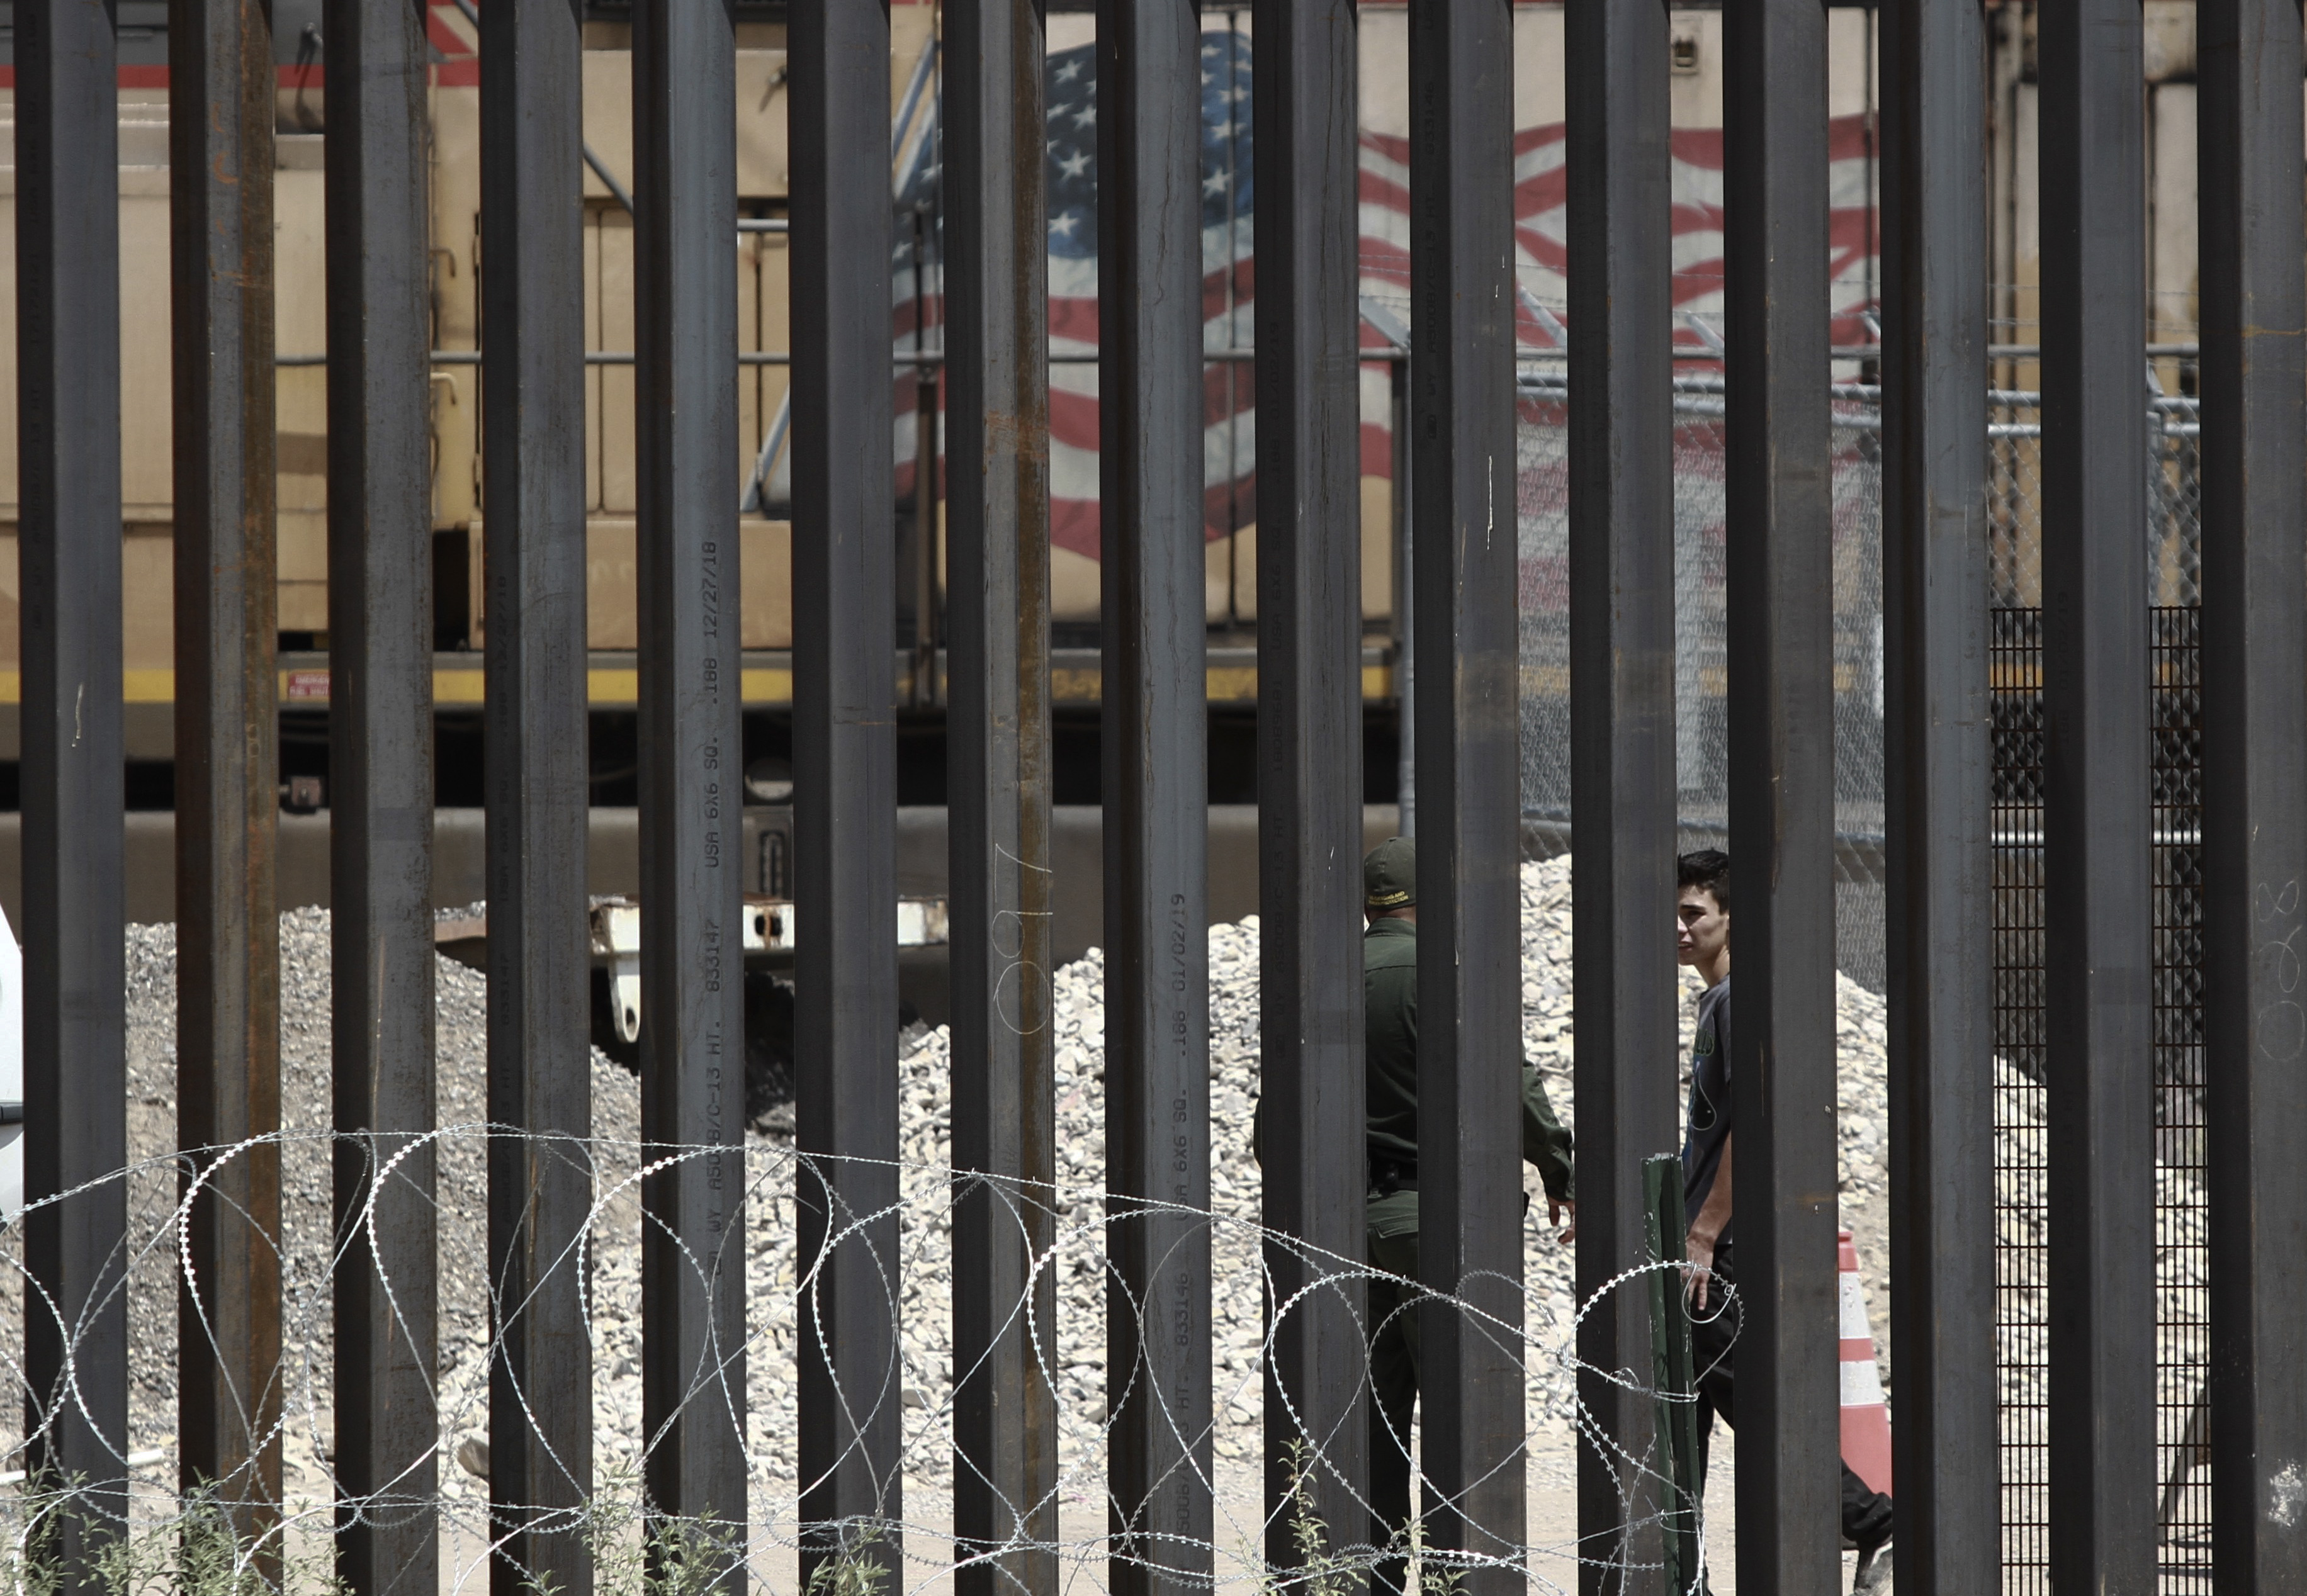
<point>2174,489</point>
<point>1701,742</point>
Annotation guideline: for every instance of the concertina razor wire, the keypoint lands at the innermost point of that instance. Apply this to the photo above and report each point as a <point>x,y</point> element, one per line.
<point>165,1538</point>
<point>921,1381</point>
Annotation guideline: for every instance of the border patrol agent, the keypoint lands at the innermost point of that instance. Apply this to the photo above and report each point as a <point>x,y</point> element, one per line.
<point>1389,993</point>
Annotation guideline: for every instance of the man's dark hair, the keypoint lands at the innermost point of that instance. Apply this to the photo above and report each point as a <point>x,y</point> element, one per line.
<point>1709,870</point>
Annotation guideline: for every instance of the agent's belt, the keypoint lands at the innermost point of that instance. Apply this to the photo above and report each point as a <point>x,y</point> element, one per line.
<point>1390,1175</point>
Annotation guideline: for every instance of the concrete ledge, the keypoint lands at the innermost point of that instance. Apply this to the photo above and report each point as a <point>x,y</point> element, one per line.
<point>459,862</point>
<point>461,868</point>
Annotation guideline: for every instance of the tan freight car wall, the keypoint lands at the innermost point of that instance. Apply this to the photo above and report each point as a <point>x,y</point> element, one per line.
<point>2172,277</point>
<point>301,329</point>
<point>762,277</point>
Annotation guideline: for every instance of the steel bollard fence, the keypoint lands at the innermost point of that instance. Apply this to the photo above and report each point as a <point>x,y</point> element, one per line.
<point>1468,979</point>
<point>226,746</point>
<point>381,830</point>
<point>541,1474</point>
<point>1006,1431</point>
<point>2095,650</point>
<point>76,1345</point>
<point>1310,758</point>
<point>693,1030</point>
<point>1151,745</point>
<point>1622,727</point>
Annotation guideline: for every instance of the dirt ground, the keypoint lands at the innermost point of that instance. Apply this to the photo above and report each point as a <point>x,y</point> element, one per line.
<point>1552,1531</point>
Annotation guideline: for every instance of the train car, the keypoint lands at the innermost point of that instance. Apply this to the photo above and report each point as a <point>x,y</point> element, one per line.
<point>758,504</point>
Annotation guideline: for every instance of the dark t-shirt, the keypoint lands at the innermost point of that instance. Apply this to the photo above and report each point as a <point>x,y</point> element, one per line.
<point>1710,1101</point>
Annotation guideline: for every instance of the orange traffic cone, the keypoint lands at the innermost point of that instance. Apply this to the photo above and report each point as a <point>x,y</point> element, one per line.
<point>1865,1418</point>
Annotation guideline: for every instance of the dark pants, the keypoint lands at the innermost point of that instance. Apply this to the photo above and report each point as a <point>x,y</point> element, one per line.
<point>1393,1399</point>
<point>1714,1332</point>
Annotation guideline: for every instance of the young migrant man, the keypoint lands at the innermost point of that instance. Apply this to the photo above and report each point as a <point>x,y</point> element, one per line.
<point>1702,942</point>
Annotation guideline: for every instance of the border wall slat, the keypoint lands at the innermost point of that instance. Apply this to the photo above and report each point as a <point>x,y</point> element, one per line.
<point>998,738</point>
<point>844,758</point>
<point>1309,785</point>
<point>380,810</point>
<point>2254,708</point>
<point>1157,1089</point>
<point>1779,602</point>
<point>74,1042</point>
<point>2097,943</point>
<point>539,956</point>
<point>1936,782</point>
<point>2097,726</point>
<point>220,121</point>
<point>1468,682</point>
<point>692,759</point>
<point>1622,728</point>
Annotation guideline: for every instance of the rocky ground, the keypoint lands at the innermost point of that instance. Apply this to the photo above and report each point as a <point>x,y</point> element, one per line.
<point>1080,1370</point>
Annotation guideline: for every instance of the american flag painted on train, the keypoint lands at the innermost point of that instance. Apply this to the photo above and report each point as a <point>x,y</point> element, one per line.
<point>1228,264</point>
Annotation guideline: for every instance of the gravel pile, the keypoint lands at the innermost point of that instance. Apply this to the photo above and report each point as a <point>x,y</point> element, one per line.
<point>925,1271</point>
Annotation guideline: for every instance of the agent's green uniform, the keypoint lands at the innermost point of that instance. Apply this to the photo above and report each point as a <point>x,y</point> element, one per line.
<point>1390,998</point>
<point>1390,994</point>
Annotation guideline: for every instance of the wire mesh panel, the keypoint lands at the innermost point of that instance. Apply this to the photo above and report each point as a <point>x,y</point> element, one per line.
<point>2181,1242</point>
<point>2014,501</point>
<point>2024,1227</point>
<point>2021,1250</point>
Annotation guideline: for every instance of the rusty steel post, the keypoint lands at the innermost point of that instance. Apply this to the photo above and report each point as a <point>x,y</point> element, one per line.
<point>220,116</point>
<point>1309,764</point>
<point>998,609</point>
<point>691,771</point>
<point>380,769</point>
<point>2254,699</point>
<point>1622,737</point>
<point>845,775</point>
<point>2097,819</point>
<point>1937,775</point>
<point>1462,397</point>
<point>1779,577</point>
<point>1154,754</point>
<point>74,1039</point>
<point>539,969</point>
<point>928,377</point>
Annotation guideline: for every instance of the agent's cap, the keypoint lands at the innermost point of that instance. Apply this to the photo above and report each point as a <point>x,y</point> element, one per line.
<point>1390,875</point>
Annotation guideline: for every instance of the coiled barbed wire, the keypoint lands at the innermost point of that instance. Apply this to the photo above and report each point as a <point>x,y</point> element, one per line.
<point>277,1548</point>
